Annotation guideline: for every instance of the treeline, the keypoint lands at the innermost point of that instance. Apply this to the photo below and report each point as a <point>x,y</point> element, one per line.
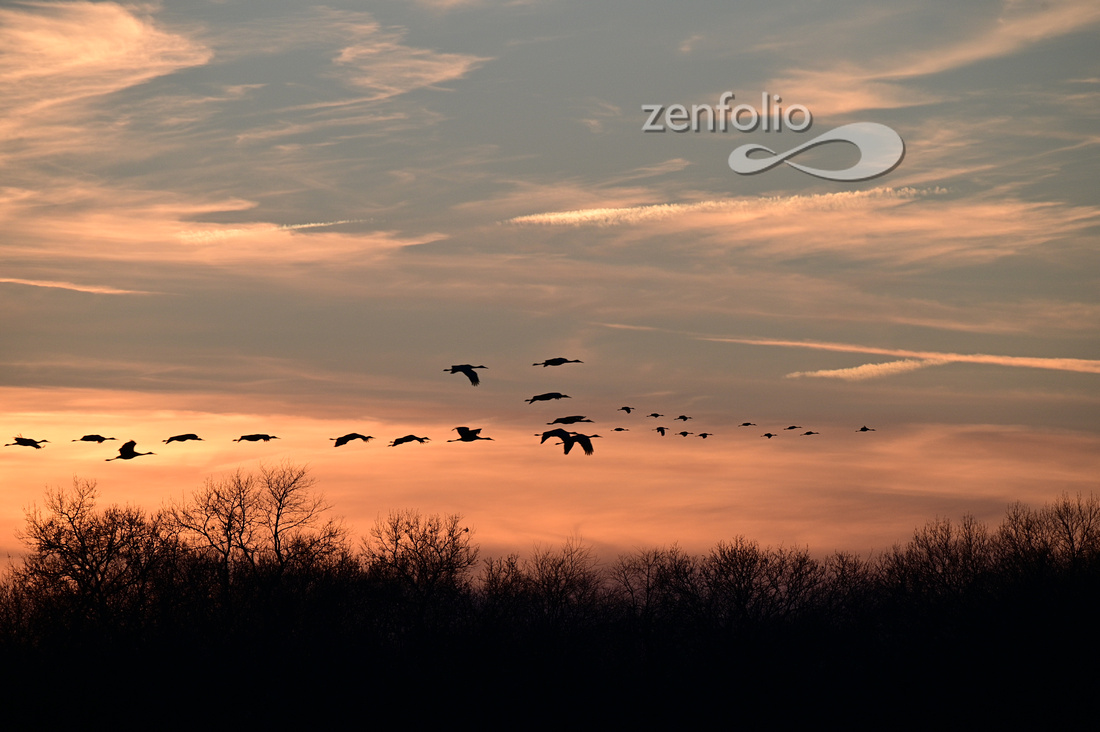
<point>248,583</point>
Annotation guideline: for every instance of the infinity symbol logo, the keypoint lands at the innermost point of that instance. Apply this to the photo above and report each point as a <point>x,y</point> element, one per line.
<point>880,150</point>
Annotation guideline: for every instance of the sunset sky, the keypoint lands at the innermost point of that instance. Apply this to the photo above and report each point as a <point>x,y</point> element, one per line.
<point>274,216</point>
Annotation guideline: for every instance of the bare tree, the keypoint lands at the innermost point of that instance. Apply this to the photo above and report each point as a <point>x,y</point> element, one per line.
<point>106,559</point>
<point>429,555</point>
<point>273,519</point>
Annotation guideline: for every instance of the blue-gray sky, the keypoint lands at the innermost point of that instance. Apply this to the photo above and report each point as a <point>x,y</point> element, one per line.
<point>223,216</point>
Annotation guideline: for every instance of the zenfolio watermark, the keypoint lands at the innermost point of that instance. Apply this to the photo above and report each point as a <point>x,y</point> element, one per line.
<point>880,148</point>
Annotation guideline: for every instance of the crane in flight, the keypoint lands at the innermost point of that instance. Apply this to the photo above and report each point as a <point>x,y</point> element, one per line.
<point>26,442</point>
<point>183,438</point>
<point>128,451</point>
<point>409,438</point>
<point>465,368</point>
<point>556,362</point>
<point>570,420</point>
<point>255,438</point>
<point>100,439</point>
<point>349,437</point>
<point>465,434</point>
<point>547,397</point>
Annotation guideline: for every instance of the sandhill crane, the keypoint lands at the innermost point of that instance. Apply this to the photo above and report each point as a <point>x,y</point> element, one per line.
<point>585,441</point>
<point>793,427</point>
<point>465,368</point>
<point>558,433</point>
<point>409,438</point>
<point>183,438</point>
<point>128,452</point>
<point>747,424</point>
<point>684,418</point>
<point>620,429</point>
<point>465,434</point>
<point>547,397</point>
<point>555,362</point>
<point>255,438</point>
<point>811,432</point>
<point>349,437</point>
<point>100,439</point>
<point>655,415</point>
<point>26,442</point>
<point>769,435</point>
<point>628,410</point>
<point>705,435</point>
<point>865,428</point>
<point>570,420</point>
<point>685,434</point>
<point>662,430</point>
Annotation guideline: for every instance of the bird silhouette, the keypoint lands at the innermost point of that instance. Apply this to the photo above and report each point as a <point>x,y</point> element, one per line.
<point>793,427</point>
<point>26,442</point>
<point>465,368</point>
<point>94,438</point>
<point>585,441</point>
<point>747,424</point>
<point>559,433</point>
<point>811,432</point>
<point>255,438</point>
<point>128,452</point>
<point>349,437</point>
<point>570,420</point>
<point>547,397</point>
<point>662,430</point>
<point>628,410</point>
<point>705,435</point>
<point>684,417</point>
<point>865,428</point>
<point>620,429</point>
<point>183,438</point>
<point>685,434</point>
<point>769,435</point>
<point>409,438</point>
<point>655,415</point>
<point>555,362</point>
<point>465,434</point>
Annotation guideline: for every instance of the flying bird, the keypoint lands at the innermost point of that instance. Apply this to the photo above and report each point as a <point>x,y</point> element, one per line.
<point>94,438</point>
<point>628,410</point>
<point>865,428</point>
<point>793,427</point>
<point>811,432</point>
<point>349,437</point>
<point>547,397</point>
<point>705,435</point>
<point>570,420</point>
<point>655,415</point>
<point>183,438</point>
<point>685,434</point>
<point>465,434</point>
<point>26,442</point>
<point>559,433</point>
<point>408,438</point>
<point>661,430</point>
<point>585,441</point>
<point>747,424</point>
<point>555,362</point>
<point>769,435</point>
<point>620,429</point>
<point>684,417</point>
<point>465,368</point>
<point>128,452</point>
<point>255,438</point>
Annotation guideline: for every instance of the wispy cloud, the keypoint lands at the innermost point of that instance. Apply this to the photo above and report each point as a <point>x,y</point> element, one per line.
<point>924,358</point>
<point>97,289</point>
<point>869,370</point>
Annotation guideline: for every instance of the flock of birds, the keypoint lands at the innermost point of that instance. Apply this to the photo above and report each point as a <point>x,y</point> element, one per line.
<point>567,438</point>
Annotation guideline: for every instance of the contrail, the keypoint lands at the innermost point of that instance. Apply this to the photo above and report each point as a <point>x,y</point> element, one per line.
<point>1079,365</point>
<point>97,289</point>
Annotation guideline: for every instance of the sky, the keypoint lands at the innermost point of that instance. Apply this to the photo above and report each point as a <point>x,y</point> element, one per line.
<point>265,216</point>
